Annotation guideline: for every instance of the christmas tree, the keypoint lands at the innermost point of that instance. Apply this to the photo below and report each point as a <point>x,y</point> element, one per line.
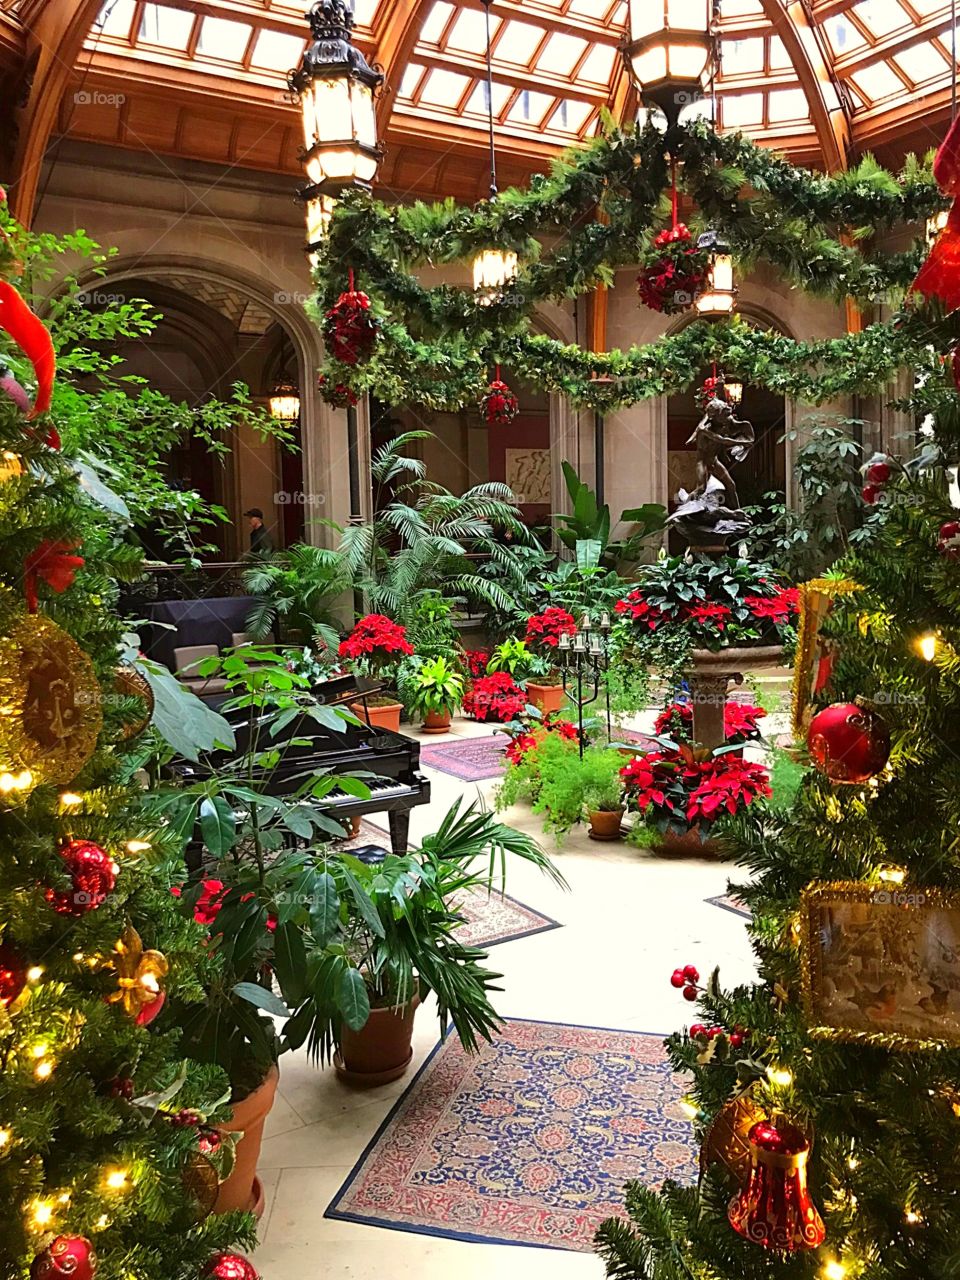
<point>109,1152</point>
<point>826,1097</point>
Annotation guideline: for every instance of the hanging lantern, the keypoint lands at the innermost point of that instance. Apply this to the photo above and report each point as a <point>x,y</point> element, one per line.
<point>935,224</point>
<point>668,49</point>
<point>733,390</point>
<point>494,270</point>
<point>285,402</point>
<point>336,88</point>
<point>719,295</point>
<point>774,1209</point>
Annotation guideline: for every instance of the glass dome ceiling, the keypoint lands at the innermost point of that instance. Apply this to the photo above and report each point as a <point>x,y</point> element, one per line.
<point>804,75</point>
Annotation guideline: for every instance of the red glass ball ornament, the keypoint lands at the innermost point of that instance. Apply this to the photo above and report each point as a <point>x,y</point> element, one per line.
<point>870,493</point>
<point>691,973</point>
<point>677,979</point>
<point>66,1258</point>
<point>848,743</point>
<point>230,1266</point>
<point>121,1087</point>
<point>94,876</point>
<point>948,540</point>
<point>878,473</point>
<point>775,1209</point>
<point>13,975</point>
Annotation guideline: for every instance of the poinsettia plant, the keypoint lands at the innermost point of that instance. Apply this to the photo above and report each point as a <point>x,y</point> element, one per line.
<point>545,629</point>
<point>495,697</point>
<point>672,271</point>
<point>740,721</point>
<point>678,788</point>
<point>376,646</point>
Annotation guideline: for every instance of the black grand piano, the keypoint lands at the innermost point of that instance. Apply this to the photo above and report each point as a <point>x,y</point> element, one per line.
<point>390,762</point>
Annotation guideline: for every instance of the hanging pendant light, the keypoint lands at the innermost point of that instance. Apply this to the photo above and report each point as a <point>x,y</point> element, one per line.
<point>284,399</point>
<point>732,390</point>
<point>494,270</point>
<point>719,295</point>
<point>667,48</point>
<point>935,224</point>
<point>336,88</point>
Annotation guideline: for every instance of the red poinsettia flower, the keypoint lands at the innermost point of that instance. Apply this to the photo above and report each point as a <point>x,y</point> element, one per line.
<point>708,615</point>
<point>376,637</point>
<point>545,629</point>
<point>740,721</point>
<point>640,610</point>
<point>727,785</point>
<point>778,607</point>
<point>520,746</point>
<point>477,660</point>
<point>495,697</point>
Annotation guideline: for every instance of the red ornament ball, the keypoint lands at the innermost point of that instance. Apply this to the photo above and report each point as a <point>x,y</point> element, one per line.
<point>878,473</point>
<point>350,327</point>
<point>230,1266</point>
<point>94,876</point>
<point>121,1087</point>
<point>870,493</point>
<point>848,743</point>
<point>948,540</point>
<point>677,979</point>
<point>66,1258</point>
<point>13,975</point>
<point>736,1039</point>
<point>690,993</point>
<point>697,1029</point>
<point>499,405</point>
<point>691,973</point>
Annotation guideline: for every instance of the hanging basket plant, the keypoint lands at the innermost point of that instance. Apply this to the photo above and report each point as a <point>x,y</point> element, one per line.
<point>350,328</point>
<point>673,272</point>
<point>499,406</point>
<point>337,394</point>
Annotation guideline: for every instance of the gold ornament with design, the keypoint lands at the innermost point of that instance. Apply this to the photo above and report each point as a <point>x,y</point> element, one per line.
<point>139,974</point>
<point>131,683</point>
<point>50,705</point>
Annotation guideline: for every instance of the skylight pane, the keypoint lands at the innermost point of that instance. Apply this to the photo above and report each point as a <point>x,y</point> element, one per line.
<point>478,99</point>
<point>779,58</point>
<point>411,78</point>
<point>168,27</point>
<point>519,43</point>
<point>115,18</point>
<point>277,51</point>
<point>881,16</point>
<point>922,62</point>
<point>562,54</point>
<point>788,104</point>
<point>597,9</point>
<point>877,81</point>
<point>221,38</point>
<point>365,11</point>
<point>470,32</point>
<point>444,89</point>
<point>530,107</point>
<point>742,109</point>
<point>843,35</point>
<point>742,56</point>
<point>599,64</point>
<point>436,21</point>
<point>742,9</point>
<point>570,116</point>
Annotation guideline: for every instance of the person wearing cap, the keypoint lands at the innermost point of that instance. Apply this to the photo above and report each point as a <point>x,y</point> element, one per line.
<point>261,544</point>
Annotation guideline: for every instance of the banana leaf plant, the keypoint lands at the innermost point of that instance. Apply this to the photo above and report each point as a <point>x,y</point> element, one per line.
<point>586,532</point>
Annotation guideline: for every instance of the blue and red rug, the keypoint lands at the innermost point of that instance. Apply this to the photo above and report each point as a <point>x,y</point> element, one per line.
<point>730,902</point>
<point>469,759</point>
<point>528,1142</point>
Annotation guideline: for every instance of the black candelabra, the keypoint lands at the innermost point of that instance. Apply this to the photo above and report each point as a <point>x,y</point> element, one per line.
<point>584,658</point>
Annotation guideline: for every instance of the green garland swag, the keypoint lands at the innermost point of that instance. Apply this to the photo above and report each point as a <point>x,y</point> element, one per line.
<point>608,199</point>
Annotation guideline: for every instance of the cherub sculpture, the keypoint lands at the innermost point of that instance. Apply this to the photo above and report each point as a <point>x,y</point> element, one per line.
<point>713,509</point>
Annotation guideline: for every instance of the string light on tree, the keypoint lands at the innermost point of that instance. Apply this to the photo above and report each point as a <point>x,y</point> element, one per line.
<point>928,645</point>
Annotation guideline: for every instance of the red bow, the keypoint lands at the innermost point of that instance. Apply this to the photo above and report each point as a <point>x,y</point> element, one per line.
<point>52,562</point>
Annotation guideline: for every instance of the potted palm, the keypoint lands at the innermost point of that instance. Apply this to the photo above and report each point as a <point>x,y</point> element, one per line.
<point>374,647</point>
<point>388,935</point>
<point>436,692</point>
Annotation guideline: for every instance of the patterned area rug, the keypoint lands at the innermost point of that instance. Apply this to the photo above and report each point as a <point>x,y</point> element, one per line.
<point>529,1142</point>
<point>469,759</point>
<point>730,902</point>
<point>488,918</point>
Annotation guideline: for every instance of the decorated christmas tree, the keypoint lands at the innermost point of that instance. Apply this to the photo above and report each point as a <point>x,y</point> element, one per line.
<point>110,1156</point>
<point>826,1097</point>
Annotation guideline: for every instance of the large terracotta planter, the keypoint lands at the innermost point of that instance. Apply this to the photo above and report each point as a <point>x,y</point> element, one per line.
<point>605,824</point>
<point>688,845</point>
<point>242,1189</point>
<point>437,722</point>
<point>385,716</point>
<point>547,698</point>
<point>709,679</point>
<point>381,1050</point>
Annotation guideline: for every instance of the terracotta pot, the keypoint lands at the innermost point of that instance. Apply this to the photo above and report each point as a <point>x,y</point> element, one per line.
<point>688,845</point>
<point>242,1190</point>
<point>605,824</point>
<point>381,1050</point>
<point>382,717</point>
<point>437,722</point>
<point>547,698</point>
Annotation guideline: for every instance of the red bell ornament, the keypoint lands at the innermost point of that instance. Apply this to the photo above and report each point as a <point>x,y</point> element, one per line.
<point>848,743</point>
<point>350,328</point>
<point>66,1258</point>
<point>775,1209</point>
<point>230,1266</point>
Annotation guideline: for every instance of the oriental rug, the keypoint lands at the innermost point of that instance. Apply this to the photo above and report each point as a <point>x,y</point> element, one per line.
<point>469,759</point>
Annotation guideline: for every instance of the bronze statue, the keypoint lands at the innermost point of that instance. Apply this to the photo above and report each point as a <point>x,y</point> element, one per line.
<point>713,509</point>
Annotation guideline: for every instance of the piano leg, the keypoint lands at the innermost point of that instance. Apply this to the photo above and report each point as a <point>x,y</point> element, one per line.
<point>399,831</point>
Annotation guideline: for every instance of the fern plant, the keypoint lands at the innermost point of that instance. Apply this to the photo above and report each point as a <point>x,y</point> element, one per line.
<point>297,589</point>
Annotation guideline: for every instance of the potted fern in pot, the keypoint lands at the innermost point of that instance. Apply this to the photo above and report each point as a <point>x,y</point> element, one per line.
<point>435,694</point>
